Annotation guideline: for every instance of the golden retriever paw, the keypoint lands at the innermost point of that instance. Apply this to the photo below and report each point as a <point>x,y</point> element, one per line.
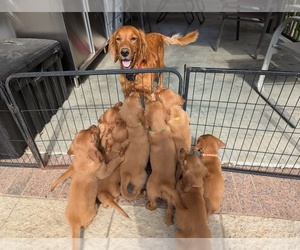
<point>169,221</point>
<point>151,206</point>
<point>143,194</point>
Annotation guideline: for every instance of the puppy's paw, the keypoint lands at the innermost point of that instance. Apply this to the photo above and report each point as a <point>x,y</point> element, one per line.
<point>151,206</point>
<point>124,146</point>
<point>143,194</point>
<point>169,221</point>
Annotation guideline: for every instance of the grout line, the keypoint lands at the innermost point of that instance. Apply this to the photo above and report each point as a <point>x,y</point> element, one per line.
<point>256,194</point>
<point>110,223</point>
<point>236,192</point>
<point>6,219</point>
<point>29,181</point>
<point>222,226</point>
<point>15,176</point>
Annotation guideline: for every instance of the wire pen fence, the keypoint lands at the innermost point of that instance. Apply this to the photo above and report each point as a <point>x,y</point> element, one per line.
<point>261,137</point>
<point>260,129</point>
<point>49,117</point>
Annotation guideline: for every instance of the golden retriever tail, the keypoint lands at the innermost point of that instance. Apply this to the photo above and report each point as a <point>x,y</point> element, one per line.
<point>182,40</point>
<point>64,176</point>
<point>106,198</point>
<point>169,191</point>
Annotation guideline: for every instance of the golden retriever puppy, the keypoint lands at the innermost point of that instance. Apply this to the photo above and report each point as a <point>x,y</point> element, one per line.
<point>163,157</point>
<point>133,168</point>
<point>191,222</point>
<point>116,139</point>
<point>109,188</point>
<point>87,168</point>
<point>109,120</point>
<point>179,121</point>
<point>134,49</point>
<point>209,145</point>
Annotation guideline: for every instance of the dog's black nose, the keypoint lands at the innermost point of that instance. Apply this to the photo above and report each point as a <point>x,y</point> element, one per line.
<point>124,52</point>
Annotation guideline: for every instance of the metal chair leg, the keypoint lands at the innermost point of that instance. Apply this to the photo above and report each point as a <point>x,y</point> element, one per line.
<point>262,34</point>
<point>219,35</point>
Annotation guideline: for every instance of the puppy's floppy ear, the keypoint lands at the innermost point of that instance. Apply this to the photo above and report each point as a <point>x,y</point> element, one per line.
<point>168,115</point>
<point>112,47</point>
<point>187,182</point>
<point>102,128</point>
<point>95,156</point>
<point>220,143</point>
<point>180,99</point>
<point>143,45</point>
<point>200,144</point>
<point>70,151</point>
<point>182,154</point>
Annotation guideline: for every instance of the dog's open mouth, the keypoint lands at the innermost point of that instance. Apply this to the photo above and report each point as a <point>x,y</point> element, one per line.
<point>126,63</point>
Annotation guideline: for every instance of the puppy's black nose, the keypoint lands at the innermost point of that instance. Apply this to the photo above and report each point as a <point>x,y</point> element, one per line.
<point>124,52</point>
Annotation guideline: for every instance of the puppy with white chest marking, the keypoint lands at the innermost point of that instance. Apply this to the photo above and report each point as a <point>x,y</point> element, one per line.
<point>209,145</point>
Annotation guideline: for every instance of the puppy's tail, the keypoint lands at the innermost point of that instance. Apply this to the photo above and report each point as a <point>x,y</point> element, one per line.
<point>170,192</point>
<point>107,199</point>
<point>64,176</point>
<point>182,40</point>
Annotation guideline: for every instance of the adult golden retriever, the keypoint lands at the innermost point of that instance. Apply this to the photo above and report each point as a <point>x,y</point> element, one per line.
<point>134,49</point>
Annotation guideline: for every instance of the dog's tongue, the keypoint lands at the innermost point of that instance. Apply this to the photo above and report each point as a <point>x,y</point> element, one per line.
<point>126,63</point>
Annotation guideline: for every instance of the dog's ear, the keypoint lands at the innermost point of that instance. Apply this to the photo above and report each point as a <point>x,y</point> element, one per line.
<point>181,155</point>
<point>102,128</point>
<point>70,151</point>
<point>112,47</point>
<point>187,182</point>
<point>168,116</point>
<point>180,99</point>
<point>220,143</point>
<point>118,105</point>
<point>205,172</point>
<point>95,155</point>
<point>143,45</point>
<point>200,144</point>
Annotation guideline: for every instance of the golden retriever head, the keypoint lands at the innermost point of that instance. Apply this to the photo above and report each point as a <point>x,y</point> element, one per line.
<point>168,97</point>
<point>85,146</point>
<point>193,170</point>
<point>156,115</point>
<point>208,144</point>
<point>128,45</point>
<point>132,111</point>
<point>110,115</point>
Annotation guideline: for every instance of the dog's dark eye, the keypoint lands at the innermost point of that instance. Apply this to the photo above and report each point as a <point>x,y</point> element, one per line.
<point>133,38</point>
<point>118,39</point>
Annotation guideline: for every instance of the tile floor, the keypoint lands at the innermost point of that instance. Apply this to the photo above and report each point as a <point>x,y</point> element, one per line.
<point>253,207</point>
